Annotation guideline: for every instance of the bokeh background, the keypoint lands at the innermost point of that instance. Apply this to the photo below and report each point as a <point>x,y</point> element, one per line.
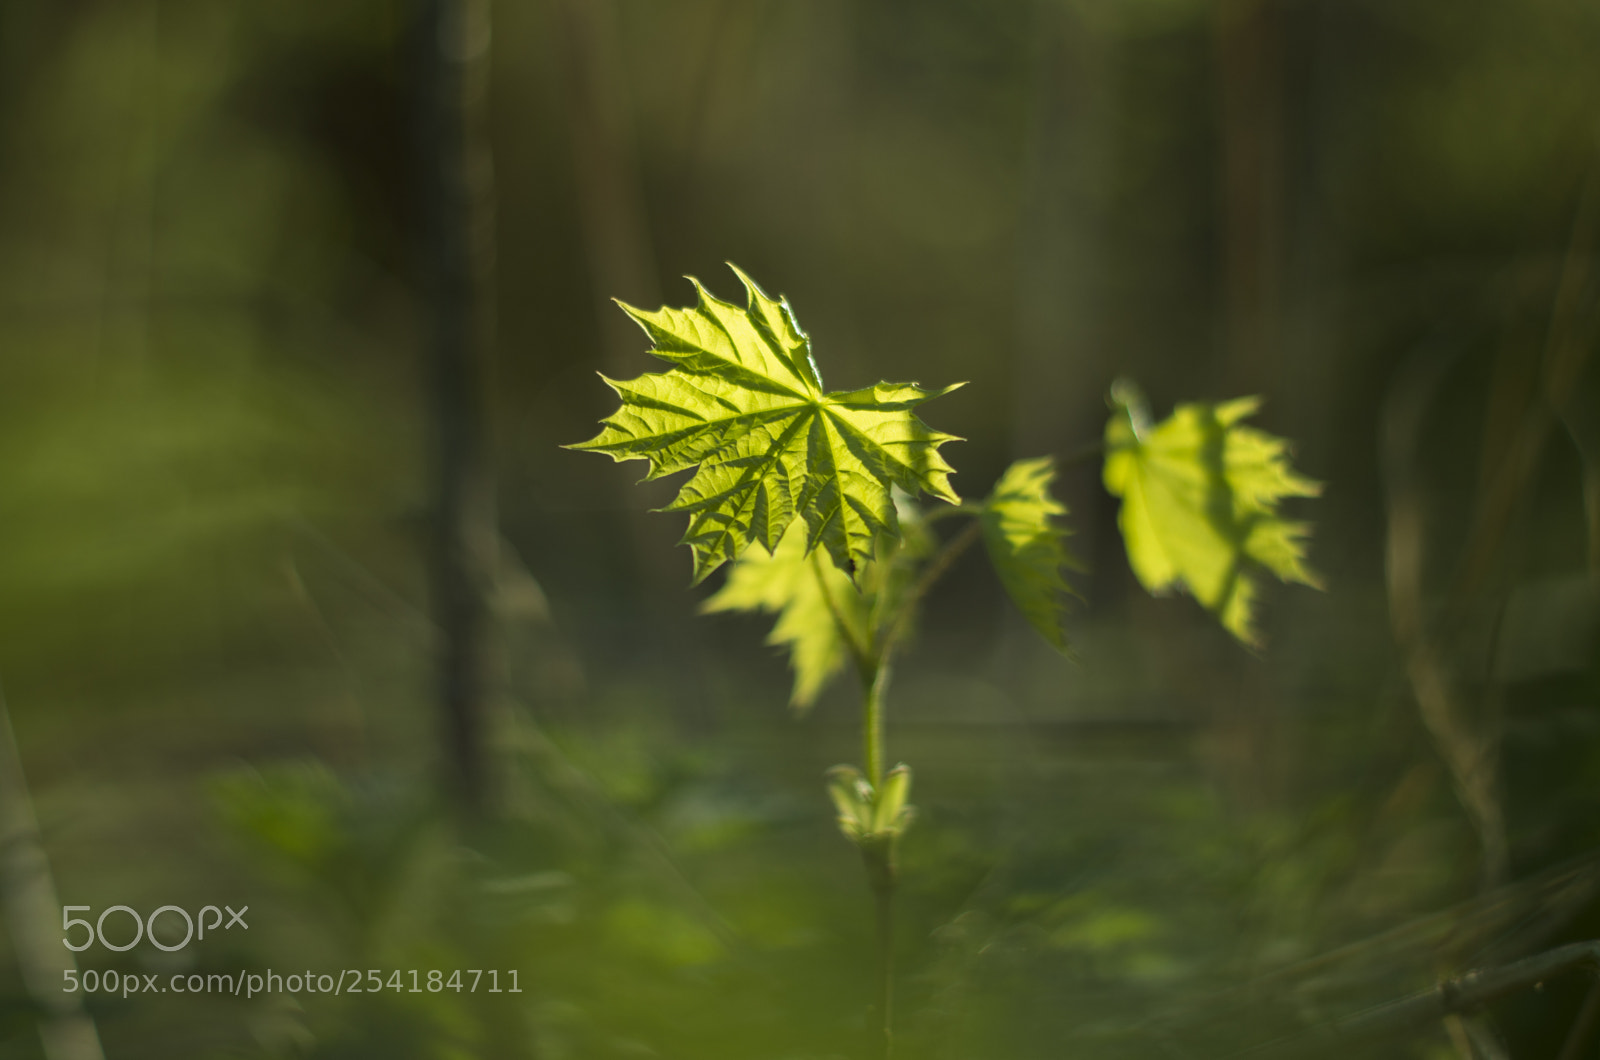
<point>299,300</point>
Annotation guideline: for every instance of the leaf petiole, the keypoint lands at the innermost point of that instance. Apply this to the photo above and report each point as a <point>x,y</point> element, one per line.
<point>847,630</point>
<point>936,569</point>
<point>951,511</point>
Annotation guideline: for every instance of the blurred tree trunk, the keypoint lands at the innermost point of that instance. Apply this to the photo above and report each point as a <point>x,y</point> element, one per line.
<point>457,191</point>
<point>1061,244</point>
<point>31,909</point>
<point>1250,97</point>
<point>617,245</point>
<point>1056,398</point>
<point>1248,55</point>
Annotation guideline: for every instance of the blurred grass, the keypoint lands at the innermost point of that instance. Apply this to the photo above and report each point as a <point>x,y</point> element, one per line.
<point>213,465</point>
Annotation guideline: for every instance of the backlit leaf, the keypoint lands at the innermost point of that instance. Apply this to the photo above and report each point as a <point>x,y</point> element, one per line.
<point>1027,548</point>
<point>820,612</point>
<point>1200,495</point>
<point>798,587</point>
<point>744,406</point>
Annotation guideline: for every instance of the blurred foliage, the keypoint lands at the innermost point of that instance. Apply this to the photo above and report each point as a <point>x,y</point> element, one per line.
<point>214,457</point>
<point>1200,496</point>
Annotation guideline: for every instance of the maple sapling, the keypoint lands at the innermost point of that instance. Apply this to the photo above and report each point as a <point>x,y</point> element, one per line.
<point>813,496</point>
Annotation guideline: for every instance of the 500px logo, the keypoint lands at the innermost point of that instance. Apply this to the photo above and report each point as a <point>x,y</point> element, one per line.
<point>96,932</point>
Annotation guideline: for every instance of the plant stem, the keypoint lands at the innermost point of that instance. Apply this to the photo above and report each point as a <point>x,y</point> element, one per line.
<point>874,668</point>
<point>950,511</point>
<point>885,897</point>
<point>875,685</point>
<point>935,570</point>
<point>877,852</point>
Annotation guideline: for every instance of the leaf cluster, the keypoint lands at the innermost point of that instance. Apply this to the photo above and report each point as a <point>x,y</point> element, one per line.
<point>826,483</point>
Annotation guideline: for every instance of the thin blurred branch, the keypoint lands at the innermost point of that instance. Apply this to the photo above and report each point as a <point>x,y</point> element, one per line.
<point>1471,748</point>
<point>31,908</point>
<point>1566,353</point>
<point>1571,339</point>
<point>1471,756</point>
<point>1485,930</point>
<point>1462,995</point>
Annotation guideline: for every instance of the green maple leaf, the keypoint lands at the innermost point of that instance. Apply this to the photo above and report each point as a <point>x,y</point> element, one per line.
<point>1027,549</point>
<point>1200,497</point>
<point>744,406</point>
<point>806,594</point>
<point>823,619</point>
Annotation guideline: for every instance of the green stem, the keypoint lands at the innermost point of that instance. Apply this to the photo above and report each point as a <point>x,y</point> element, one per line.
<point>885,896</point>
<point>950,511</point>
<point>935,570</point>
<point>875,682</point>
<point>877,854</point>
<point>873,668</point>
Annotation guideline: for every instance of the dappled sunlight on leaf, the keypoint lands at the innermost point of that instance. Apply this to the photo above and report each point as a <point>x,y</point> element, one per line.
<point>744,406</point>
<point>1200,496</point>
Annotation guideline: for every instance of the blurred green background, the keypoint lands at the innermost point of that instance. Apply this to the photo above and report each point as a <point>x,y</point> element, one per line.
<point>222,235</point>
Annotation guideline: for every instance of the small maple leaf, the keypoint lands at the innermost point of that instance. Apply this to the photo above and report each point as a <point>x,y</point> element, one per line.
<point>824,620</point>
<point>744,406</point>
<point>1200,497</point>
<point>818,610</point>
<point>1027,548</point>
